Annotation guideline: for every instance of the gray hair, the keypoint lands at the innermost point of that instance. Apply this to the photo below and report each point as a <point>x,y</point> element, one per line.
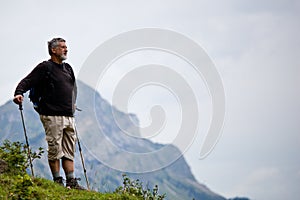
<point>54,43</point>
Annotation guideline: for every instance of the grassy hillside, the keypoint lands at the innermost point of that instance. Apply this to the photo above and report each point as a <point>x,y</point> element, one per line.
<point>25,187</point>
<point>15,183</point>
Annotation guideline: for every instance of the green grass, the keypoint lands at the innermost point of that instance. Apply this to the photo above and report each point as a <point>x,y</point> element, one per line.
<point>15,183</point>
<point>26,187</point>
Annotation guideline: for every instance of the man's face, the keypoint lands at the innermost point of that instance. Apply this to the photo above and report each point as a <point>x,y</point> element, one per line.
<point>61,51</point>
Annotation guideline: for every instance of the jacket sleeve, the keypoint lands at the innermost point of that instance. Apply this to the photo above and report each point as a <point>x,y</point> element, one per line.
<point>75,91</point>
<point>31,80</point>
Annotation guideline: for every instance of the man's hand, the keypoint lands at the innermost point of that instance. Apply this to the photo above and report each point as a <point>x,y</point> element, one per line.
<point>18,99</point>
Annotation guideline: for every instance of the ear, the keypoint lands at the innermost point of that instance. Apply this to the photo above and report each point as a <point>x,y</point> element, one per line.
<point>53,50</point>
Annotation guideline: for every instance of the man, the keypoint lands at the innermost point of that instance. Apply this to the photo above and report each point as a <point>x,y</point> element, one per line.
<point>56,109</point>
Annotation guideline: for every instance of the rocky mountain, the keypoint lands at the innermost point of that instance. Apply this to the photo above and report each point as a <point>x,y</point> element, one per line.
<point>110,143</point>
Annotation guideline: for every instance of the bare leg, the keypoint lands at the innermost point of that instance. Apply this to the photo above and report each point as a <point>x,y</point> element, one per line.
<point>54,167</point>
<point>68,166</point>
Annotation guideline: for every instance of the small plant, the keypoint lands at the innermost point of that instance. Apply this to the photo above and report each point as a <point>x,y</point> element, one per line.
<point>16,156</point>
<point>135,188</point>
<point>22,188</point>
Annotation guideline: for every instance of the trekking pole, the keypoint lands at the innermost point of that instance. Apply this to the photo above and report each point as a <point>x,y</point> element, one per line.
<point>27,143</point>
<point>82,160</point>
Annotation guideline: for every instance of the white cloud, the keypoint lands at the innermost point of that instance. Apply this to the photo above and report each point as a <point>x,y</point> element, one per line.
<point>261,175</point>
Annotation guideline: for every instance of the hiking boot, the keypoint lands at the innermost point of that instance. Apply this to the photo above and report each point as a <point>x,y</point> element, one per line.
<point>59,180</point>
<point>73,184</point>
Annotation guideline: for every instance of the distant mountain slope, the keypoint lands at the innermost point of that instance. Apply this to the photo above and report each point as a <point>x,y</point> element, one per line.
<point>176,180</point>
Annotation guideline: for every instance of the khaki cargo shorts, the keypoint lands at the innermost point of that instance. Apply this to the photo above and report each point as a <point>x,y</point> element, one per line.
<point>60,136</point>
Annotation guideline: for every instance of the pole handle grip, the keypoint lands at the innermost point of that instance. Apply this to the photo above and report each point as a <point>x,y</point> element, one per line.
<point>20,106</point>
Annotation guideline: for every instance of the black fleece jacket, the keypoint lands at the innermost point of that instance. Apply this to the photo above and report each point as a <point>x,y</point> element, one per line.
<point>59,99</point>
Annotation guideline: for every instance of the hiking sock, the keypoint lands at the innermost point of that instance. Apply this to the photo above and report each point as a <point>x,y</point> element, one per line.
<point>55,175</point>
<point>69,175</point>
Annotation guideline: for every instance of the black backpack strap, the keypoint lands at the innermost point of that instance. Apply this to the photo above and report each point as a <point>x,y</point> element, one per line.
<point>69,69</point>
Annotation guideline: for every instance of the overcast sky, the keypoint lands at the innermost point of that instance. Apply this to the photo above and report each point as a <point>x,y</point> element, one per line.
<point>255,46</point>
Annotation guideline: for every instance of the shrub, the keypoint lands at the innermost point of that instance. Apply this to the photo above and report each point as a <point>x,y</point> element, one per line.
<point>135,188</point>
<point>16,155</point>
